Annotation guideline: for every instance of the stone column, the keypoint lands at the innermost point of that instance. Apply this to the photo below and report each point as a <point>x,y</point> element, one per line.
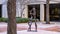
<point>41,12</point>
<point>4,10</point>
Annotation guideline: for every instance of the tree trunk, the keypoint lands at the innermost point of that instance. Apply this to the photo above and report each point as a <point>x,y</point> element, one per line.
<point>11,7</point>
<point>47,12</point>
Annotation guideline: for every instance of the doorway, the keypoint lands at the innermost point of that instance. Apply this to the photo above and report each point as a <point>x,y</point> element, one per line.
<point>0,10</point>
<point>37,7</point>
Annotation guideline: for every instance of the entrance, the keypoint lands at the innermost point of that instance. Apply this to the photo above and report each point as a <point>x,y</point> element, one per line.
<point>37,7</point>
<point>54,12</point>
<point>0,11</point>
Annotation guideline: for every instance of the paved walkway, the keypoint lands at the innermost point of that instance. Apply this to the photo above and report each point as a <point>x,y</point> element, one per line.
<point>24,26</point>
<point>39,32</point>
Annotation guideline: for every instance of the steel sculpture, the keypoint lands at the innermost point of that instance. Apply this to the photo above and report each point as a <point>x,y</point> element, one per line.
<point>33,15</point>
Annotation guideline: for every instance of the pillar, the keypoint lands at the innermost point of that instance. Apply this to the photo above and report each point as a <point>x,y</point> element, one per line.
<point>41,12</point>
<point>4,10</point>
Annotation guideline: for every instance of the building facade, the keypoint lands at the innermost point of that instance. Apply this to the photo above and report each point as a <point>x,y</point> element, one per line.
<point>26,6</point>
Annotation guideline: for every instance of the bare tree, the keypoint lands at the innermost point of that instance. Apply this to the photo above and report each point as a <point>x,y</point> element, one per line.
<point>11,7</point>
<point>22,5</point>
<point>47,12</point>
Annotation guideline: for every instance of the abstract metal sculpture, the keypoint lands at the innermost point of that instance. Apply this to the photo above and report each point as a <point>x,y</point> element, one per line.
<point>33,15</point>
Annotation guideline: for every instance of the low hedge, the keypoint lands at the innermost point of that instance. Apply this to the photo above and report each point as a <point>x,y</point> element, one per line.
<point>18,20</point>
<point>22,20</point>
<point>3,19</point>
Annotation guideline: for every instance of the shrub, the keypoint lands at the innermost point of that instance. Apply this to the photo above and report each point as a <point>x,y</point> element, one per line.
<point>3,19</point>
<point>18,20</point>
<point>22,20</point>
